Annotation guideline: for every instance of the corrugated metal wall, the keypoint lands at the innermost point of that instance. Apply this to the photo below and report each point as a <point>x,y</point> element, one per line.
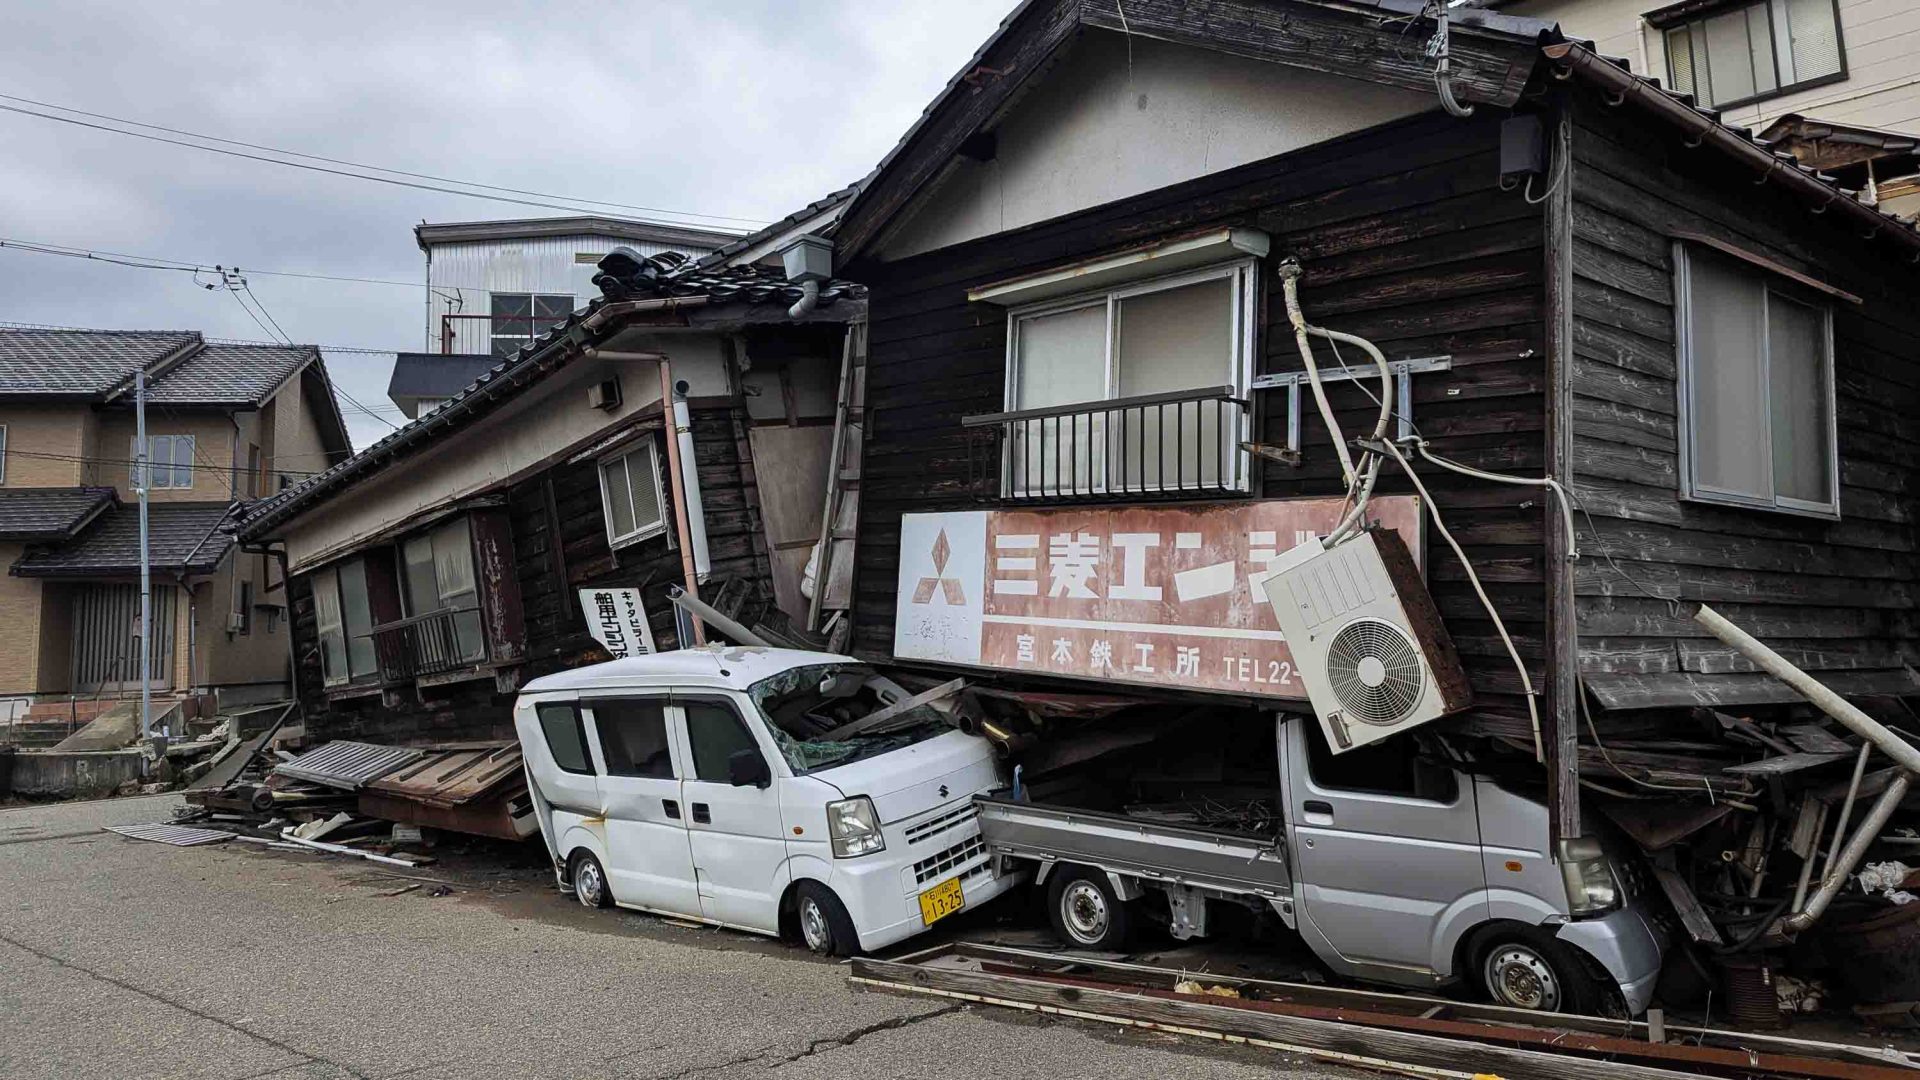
<point>475,270</point>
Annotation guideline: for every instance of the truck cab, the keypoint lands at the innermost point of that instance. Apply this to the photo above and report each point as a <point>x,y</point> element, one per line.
<point>1392,867</point>
<point>725,785</point>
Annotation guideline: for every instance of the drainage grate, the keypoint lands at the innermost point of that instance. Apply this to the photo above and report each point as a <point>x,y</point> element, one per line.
<point>177,835</point>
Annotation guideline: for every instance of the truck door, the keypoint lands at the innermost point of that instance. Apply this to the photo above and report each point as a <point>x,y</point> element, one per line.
<point>739,843</point>
<point>649,857</point>
<point>1387,849</point>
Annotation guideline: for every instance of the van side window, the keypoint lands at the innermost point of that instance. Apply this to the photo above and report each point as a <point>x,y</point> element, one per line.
<point>1389,767</point>
<point>715,733</point>
<point>633,737</point>
<point>566,737</point>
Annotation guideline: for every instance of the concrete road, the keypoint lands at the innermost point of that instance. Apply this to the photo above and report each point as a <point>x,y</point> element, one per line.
<point>126,959</point>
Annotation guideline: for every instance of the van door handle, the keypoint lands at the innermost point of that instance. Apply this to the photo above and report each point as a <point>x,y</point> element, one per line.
<point>701,815</point>
<point>1315,806</point>
<point>672,808</point>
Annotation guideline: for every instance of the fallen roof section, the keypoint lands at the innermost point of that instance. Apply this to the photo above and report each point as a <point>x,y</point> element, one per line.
<point>348,765</point>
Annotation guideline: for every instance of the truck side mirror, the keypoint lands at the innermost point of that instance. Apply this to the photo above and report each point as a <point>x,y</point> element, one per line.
<point>746,767</point>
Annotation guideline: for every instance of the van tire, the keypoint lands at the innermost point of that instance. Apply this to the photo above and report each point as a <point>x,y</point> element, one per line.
<point>1527,967</point>
<point>589,881</point>
<point>822,921</point>
<point>1086,912</point>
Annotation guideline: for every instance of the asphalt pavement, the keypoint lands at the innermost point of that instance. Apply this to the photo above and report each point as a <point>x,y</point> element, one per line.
<point>129,959</point>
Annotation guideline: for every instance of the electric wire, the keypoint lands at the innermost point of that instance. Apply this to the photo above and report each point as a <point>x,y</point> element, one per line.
<point>154,262</point>
<point>90,459</point>
<point>375,168</point>
<point>343,172</point>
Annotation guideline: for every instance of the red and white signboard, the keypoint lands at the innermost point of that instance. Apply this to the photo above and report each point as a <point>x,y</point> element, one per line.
<point>1157,596</point>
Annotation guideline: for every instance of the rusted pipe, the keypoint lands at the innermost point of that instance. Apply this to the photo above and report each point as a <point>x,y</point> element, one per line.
<point>1876,733</point>
<point>674,467</point>
<point>1839,870</point>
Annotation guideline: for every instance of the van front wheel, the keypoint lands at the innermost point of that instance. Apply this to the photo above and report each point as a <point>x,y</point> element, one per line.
<point>1527,968</point>
<point>825,926</point>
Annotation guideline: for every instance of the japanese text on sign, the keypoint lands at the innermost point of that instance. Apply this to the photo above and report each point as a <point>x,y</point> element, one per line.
<point>617,621</point>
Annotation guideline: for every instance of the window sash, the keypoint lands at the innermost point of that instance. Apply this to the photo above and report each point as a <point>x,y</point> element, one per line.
<point>631,500</point>
<point>169,461</point>
<point>3,453</point>
<point>1767,292</point>
<point>329,627</point>
<point>1751,52</point>
<point>1103,468</point>
<point>517,317</point>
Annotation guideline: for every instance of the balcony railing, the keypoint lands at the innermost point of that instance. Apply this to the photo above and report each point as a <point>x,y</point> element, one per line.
<point>429,644</point>
<point>1184,443</point>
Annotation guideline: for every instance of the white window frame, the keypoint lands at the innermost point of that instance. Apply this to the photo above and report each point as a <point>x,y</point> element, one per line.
<point>1690,485</point>
<point>161,479</point>
<point>329,578</point>
<point>1244,273</point>
<point>536,324</point>
<point>621,456</point>
<point>3,453</point>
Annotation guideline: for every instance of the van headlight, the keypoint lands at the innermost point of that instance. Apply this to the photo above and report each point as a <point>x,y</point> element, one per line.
<point>854,827</point>
<point>1590,884</point>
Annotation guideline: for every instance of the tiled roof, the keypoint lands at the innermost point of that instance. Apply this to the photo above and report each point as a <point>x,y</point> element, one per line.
<point>436,375</point>
<point>230,374</point>
<point>181,538</point>
<point>49,513</point>
<point>81,362</point>
<point>671,275</point>
<point>812,209</point>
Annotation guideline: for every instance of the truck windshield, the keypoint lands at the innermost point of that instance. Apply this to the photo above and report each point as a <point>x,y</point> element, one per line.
<point>806,706</point>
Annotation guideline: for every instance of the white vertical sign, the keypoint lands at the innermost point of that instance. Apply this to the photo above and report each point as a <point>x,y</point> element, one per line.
<point>617,621</point>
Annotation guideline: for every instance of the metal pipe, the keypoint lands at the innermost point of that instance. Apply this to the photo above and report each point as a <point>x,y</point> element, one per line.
<point>1813,852</point>
<point>680,506</point>
<point>809,298</point>
<point>690,477</point>
<point>1839,870</point>
<point>1876,733</point>
<point>145,463</point>
<point>712,616</point>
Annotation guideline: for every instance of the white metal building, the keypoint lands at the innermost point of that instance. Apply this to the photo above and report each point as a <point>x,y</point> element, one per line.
<point>491,285</point>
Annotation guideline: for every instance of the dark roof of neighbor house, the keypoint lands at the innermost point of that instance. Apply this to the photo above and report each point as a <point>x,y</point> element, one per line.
<point>82,363</point>
<point>651,232</point>
<point>436,375</point>
<point>662,283</point>
<point>813,209</point>
<point>182,538</point>
<point>242,375</point>
<point>1029,38</point>
<point>49,513</point>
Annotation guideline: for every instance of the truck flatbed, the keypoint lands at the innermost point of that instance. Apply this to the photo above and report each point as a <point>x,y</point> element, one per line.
<point>1230,862</point>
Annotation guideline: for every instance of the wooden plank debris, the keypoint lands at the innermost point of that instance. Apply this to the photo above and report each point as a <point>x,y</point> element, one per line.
<point>879,717</point>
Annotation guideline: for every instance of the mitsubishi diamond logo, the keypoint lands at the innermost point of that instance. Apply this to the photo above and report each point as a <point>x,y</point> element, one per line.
<point>949,587</point>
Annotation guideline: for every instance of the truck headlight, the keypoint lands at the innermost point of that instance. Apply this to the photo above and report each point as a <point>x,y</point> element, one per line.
<point>1591,887</point>
<point>854,827</point>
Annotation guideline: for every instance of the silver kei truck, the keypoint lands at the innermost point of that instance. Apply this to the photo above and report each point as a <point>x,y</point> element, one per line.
<point>1392,868</point>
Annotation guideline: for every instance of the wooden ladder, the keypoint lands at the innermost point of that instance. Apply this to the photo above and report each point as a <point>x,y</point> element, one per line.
<point>832,600</point>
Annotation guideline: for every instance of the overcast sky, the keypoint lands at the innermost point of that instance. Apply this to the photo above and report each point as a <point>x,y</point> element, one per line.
<point>733,108</point>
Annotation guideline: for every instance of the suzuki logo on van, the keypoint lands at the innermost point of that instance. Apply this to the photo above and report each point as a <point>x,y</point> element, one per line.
<point>943,791</point>
<point>949,587</point>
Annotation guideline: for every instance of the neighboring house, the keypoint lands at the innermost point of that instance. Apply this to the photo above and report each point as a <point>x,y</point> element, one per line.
<point>492,285</point>
<point>1834,82</point>
<point>422,382</point>
<point>1077,325</point>
<point>436,571</point>
<point>225,423</point>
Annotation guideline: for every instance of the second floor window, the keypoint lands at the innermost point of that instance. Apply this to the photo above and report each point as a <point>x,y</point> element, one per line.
<point>630,494</point>
<point>1744,52</point>
<point>517,317</point>
<point>170,457</point>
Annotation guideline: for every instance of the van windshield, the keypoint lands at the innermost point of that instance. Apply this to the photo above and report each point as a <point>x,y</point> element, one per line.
<point>805,707</point>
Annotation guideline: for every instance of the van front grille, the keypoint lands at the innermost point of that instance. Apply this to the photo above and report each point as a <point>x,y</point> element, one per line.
<point>938,865</point>
<point>940,823</point>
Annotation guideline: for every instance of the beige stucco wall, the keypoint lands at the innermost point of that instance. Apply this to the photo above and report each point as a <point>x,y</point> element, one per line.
<point>19,628</point>
<point>1121,116</point>
<point>213,437</point>
<point>1881,39</point>
<point>549,420</point>
<point>47,429</point>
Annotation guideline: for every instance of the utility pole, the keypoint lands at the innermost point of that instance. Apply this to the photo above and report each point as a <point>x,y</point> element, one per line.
<point>143,480</point>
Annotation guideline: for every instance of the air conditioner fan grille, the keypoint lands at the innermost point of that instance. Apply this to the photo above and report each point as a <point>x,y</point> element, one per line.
<point>1375,671</point>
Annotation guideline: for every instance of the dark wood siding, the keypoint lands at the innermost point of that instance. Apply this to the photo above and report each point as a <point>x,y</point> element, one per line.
<point>1835,597</point>
<point>1405,238</point>
<point>559,541</point>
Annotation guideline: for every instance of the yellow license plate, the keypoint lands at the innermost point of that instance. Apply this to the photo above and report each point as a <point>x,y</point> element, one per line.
<point>941,901</point>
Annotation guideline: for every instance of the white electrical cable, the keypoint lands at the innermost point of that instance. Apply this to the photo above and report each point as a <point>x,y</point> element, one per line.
<point>1548,482</point>
<point>1289,280</point>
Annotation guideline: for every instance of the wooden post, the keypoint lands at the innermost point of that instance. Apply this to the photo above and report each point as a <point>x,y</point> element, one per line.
<point>1562,684</point>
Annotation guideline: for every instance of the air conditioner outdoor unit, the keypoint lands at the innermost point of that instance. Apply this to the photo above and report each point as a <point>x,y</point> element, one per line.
<point>1365,637</point>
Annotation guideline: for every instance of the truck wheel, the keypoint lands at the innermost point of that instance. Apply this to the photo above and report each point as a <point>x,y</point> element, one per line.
<point>825,926</point>
<point>1085,910</point>
<point>590,882</point>
<point>1527,968</point>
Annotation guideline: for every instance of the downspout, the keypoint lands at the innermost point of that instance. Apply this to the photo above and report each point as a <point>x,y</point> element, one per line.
<point>696,507</point>
<point>674,469</point>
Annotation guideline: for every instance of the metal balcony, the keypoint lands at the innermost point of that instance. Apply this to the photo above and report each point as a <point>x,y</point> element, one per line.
<point>1181,444</point>
<point>429,644</point>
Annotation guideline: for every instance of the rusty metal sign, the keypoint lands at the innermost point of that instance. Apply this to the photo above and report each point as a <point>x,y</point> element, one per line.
<point>1154,596</point>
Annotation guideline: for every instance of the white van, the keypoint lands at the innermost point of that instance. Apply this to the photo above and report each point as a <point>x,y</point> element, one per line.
<point>698,783</point>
